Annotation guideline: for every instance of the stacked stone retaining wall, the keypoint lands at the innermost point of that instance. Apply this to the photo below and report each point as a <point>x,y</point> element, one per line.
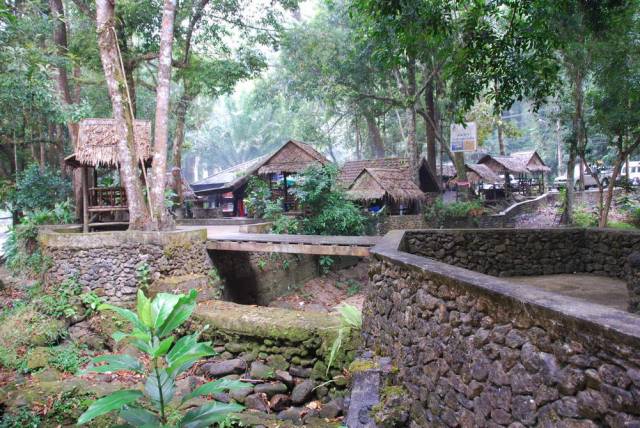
<point>473,350</point>
<point>107,262</point>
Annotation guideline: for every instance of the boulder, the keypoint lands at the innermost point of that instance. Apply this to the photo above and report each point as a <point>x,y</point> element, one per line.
<point>302,392</point>
<point>257,402</point>
<point>271,389</point>
<point>38,358</point>
<point>260,370</point>
<point>279,402</point>
<point>223,368</point>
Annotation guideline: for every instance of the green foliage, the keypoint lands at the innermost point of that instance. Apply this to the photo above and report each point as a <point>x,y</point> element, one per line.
<point>37,190</point>
<point>154,323</point>
<point>582,217</point>
<point>62,300</point>
<point>437,213</point>
<point>325,263</point>
<point>630,205</point>
<point>352,287</point>
<point>350,319</point>
<point>67,359</point>
<point>25,418</point>
<point>258,195</point>
<point>282,223</point>
<point>331,212</point>
<point>21,249</point>
<point>143,274</point>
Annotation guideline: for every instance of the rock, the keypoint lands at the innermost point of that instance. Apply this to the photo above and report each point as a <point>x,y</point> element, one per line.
<point>257,402</point>
<point>270,389</point>
<point>284,376</point>
<point>302,392</point>
<point>240,394</point>
<point>223,368</point>
<point>279,402</point>
<point>331,410</point>
<point>278,362</point>
<point>38,358</point>
<point>293,414</point>
<point>261,371</point>
<point>82,334</point>
<point>300,371</point>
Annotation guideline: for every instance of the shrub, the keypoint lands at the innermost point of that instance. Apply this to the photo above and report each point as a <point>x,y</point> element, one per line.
<point>582,217</point>
<point>258,195</point>
<point>67,358</point>
<point>330,212</point>
<point>281,223</point>
<point>438,212</point>
<point>37,190</point>
<point>153,325</point>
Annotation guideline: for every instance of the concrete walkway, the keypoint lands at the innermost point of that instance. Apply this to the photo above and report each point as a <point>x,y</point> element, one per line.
<point>596,289</point>
<point>214,231</point>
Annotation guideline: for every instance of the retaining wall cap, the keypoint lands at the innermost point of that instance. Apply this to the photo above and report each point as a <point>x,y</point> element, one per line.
<point>580,315</point>
<point>262,321</point>
<point>55,239</point>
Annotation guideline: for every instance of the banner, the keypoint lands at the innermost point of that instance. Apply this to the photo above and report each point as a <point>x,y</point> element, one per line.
<point>464,138</point>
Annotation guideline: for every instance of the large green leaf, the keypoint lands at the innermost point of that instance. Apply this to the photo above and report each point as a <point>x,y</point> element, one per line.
<point>116,363</point>
<point>139,417</point>
<point>161,348</point>
<point>209,414</point>
<point>180,313</point>
<point>109,403</point>
<point>124,313</point>
<point>185,352</point>
<point>144,309</point>
<point>161,307</point>
<point>220,385</point>
<point>154,386</point>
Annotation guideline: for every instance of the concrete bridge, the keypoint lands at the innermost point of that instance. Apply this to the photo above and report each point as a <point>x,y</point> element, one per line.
<point>296,244</point>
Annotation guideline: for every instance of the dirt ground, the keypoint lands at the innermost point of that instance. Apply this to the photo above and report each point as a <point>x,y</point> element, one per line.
<point>327,292</point>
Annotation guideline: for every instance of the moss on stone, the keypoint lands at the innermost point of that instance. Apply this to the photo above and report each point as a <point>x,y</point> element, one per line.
<point>362,366</point>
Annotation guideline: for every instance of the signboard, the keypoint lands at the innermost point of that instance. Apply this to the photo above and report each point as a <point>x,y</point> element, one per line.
<point>464,139</point>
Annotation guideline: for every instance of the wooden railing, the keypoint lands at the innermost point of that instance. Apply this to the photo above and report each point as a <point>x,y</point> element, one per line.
<point>107,198</point>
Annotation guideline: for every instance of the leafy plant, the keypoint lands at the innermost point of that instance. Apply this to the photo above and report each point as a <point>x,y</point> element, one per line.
<point>67,358</point>
<point>262,264</point>
<point>582,217</point>
<point>37,190</point>
<point>153,325</point>
<point>24,419</point>
<point>143,274</point>
<point>438,212</point>
<point>61,300</point>
<point>330,212</point>
<point>281,222</point>
<point>350,319</point>
<point>352,287</point>
<point>325,263</point>
<point>258,195</point>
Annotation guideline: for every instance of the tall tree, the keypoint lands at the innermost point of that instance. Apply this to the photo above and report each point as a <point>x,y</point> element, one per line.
<point>113,66</point>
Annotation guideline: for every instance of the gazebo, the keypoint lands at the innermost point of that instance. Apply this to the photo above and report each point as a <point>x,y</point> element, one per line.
<point>389,187</point>
<point>292,158</point>
<point>527,167</point>
<point>97,148</point>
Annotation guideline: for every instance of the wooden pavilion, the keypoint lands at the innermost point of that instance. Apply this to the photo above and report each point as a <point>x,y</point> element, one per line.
<point>105,206</point>
<point>292,158</point>
<point>527,168</point>
<point>393,188</point>
<point>351,170</point>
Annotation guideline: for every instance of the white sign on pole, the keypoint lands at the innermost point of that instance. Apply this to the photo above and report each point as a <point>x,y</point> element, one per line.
<point>464,139</point>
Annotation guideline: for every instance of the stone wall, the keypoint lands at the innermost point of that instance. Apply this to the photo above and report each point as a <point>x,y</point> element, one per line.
<point>106,262</point>
<point>515,252</point>
<point>258,278</point>
<point>473,350</point>
<point>285,353</point>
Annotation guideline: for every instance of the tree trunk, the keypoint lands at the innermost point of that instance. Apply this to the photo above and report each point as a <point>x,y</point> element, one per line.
<point>122,114</point>
<point>181,117</point>
<point>431,126</point>
<point>503,152</point>
<point>412,144</point>
<point>64,90</point>
<point>358,139</point>
<point>573,146</point>
<point>558,148</point>
<point>161,134</point>
<point>375,139</point>
<point>606,207</point>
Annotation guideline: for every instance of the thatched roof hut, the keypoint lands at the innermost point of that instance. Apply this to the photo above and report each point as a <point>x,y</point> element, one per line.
<point>231,178</point>
<point>352,169</point>
<point>381,183</point>
<point>98,143</point>
<point>292,158</point>
<point>532,161</point>
<point>517,163</point>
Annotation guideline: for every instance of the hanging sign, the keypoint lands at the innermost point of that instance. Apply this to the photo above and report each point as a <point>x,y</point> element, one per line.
<point>464,138</point>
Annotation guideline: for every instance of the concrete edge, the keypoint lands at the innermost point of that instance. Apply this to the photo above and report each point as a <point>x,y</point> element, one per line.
<point>574,314</point>
<point>59,239</point>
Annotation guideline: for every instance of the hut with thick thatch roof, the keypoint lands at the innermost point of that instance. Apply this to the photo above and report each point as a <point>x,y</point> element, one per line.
<point>527,168</point>
<point>97,148</point>
<point>393,188</point>
<point>281,167</point>
<point>352,169</point>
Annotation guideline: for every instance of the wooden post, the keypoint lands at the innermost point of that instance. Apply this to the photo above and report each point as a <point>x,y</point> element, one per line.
<point>85,200</point>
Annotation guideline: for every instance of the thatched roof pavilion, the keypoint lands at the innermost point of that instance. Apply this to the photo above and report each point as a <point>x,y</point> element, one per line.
<point>532,161</point>
<point>98,143</point>
<point>517,163</point>
<point>292,158</point>
<point>352,170</point>
<point>481,172</point>
<point>382,183</point>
